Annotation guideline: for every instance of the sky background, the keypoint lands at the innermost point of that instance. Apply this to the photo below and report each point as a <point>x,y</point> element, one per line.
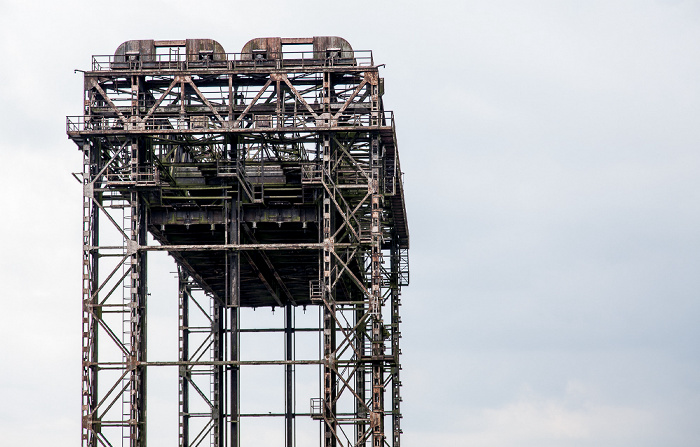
<point>550,151</point>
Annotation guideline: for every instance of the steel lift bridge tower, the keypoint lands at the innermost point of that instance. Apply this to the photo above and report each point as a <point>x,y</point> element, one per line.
<point>272,178</point>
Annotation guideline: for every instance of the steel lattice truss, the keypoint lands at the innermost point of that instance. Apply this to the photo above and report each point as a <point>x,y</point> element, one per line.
<point>273,180</point>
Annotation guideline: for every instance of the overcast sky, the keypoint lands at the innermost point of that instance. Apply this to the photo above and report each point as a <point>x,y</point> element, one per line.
<point>551,158</point>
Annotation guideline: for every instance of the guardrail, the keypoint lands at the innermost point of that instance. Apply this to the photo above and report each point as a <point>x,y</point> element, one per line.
<point>229,61</point>
<point>250,121</point>
<point>311,173</point>
<point>316,405</point>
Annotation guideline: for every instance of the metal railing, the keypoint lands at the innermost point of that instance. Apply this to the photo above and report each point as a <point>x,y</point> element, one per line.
<point>144,176</point>
<point>315,292</point>
<point>316,407</point>
<point>229,61</point>
<point>251,121</point>
<point>311,173</point>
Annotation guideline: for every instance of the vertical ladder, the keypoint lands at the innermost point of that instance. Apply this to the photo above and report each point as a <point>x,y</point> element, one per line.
<point>126,330</point>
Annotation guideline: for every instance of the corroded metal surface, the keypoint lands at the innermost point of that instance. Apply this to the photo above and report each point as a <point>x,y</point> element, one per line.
<point>272,177</point>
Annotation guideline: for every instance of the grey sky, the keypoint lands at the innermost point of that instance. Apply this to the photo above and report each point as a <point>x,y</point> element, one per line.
<point>551,159</point>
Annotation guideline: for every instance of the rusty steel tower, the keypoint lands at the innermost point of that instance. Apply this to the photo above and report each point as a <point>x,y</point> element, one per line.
<point>272,178</point>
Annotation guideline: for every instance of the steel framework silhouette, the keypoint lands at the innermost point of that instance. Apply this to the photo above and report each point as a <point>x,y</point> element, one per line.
<point>272,178</point>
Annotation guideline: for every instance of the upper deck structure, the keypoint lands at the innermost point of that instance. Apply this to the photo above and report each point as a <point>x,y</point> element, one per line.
<point>272,177</point>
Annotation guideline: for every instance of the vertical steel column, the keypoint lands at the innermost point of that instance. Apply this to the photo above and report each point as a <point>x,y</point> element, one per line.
<point>234,393</point>
<point>360,383</point>
<point>377,416</point>
<point>184,292</point>
<point>289,374</point>
<point>375,299</point>
<point>395,346</point>
<point>90,285</point>
<point>217,397</point>
<point>329,373</point>
<point>138,291</point>
<point>329,305</point>
<point>234,299</point>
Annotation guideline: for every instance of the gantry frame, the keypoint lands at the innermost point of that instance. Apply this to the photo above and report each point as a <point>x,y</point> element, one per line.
<point>273,179</point>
